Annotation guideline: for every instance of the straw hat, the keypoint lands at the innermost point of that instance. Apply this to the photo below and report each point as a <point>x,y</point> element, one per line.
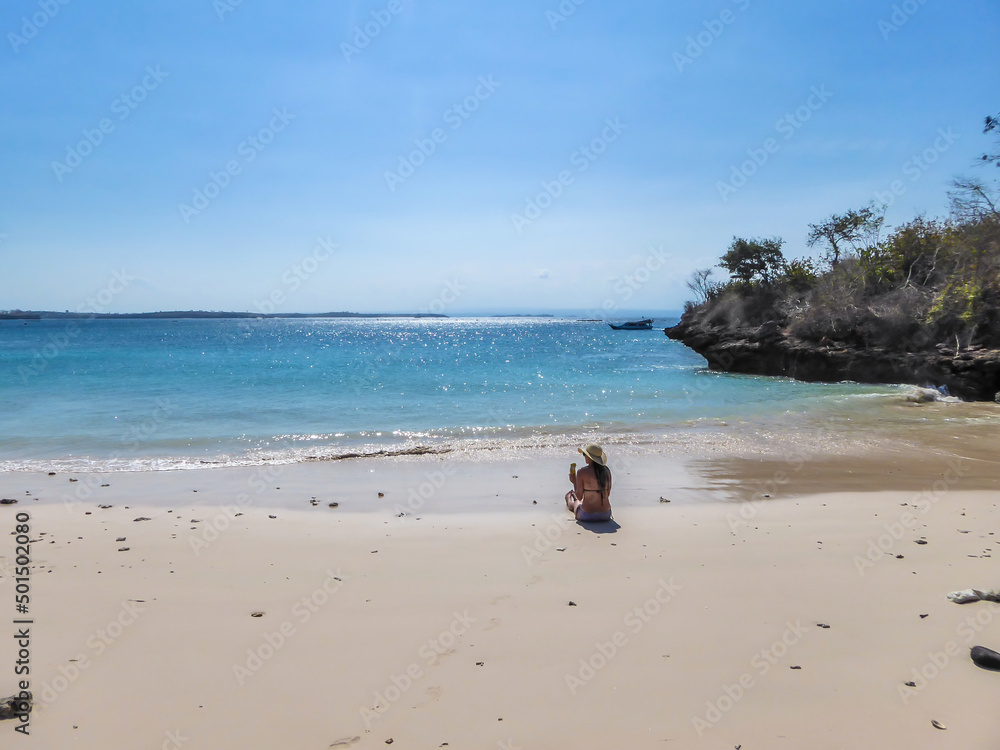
<point>595,453</point>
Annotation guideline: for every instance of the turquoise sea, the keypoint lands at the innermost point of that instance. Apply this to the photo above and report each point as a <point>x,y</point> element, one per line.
<point>163,394</point>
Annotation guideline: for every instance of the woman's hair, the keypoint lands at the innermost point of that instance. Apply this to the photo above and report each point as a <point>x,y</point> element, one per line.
<point>603,473</point>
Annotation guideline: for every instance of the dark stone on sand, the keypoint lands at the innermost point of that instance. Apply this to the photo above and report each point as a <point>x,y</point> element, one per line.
<point>52,473</point>
<point>986,658</point>
<point>13,706</point>
<point>7,501</point>
<point>120,539</point>
<point>124,549</point>
<point>921,541</point>
<point>141,518</point>
<point>572,604</point>
<point>256,614</point>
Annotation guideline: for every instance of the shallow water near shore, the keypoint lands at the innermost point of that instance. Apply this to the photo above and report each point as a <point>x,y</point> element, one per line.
<point>162,394</point>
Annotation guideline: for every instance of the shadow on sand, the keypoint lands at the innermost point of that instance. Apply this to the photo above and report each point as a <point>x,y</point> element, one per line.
<point>600,527</point>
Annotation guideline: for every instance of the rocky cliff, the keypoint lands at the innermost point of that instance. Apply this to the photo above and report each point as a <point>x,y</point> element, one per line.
<point>972,374</point>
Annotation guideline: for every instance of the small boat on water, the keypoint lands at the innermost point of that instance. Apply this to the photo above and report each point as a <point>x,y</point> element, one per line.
<point>634,325</point>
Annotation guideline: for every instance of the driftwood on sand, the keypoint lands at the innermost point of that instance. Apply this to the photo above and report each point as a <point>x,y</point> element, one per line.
<point>974,595</point>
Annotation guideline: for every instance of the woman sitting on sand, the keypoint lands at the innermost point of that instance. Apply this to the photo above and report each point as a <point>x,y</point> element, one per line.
<point>589,500</point>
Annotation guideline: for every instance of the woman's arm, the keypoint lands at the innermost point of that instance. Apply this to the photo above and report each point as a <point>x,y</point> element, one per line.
<point>578,484</point>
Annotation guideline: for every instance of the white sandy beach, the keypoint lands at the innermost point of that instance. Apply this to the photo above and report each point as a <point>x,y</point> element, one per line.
<point>694,624</point>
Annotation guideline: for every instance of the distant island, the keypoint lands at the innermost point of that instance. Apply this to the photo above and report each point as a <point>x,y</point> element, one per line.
<point>921,306</point>
<point>194,314</point>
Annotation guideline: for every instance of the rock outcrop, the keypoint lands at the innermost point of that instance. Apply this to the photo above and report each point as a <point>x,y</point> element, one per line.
<point>972,374</point>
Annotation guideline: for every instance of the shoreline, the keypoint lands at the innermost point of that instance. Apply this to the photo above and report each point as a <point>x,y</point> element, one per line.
<point>715,463</point>
<point>857,426</point>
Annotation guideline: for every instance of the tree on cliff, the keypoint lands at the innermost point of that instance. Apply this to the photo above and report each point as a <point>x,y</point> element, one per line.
<point>750,259</point>
<point>702,285</point>
<point>857,229</point>
<point>992,123</point>
<point>973,198</point>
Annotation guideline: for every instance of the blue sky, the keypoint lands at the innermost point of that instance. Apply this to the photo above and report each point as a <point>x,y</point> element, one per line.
<point>460,156</point>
